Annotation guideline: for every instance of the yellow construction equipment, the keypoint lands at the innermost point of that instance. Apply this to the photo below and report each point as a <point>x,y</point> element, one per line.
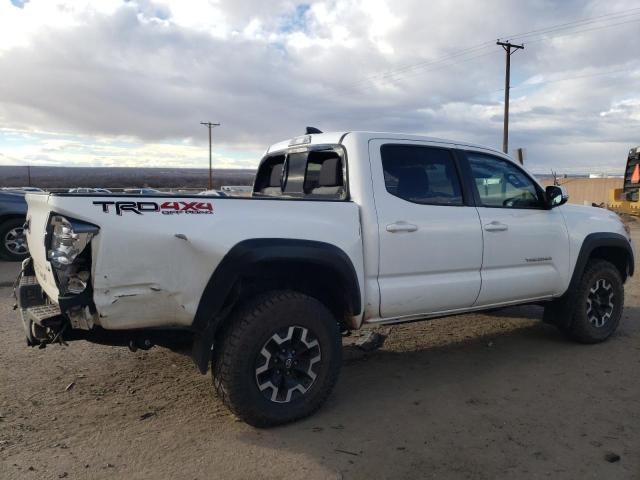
<point>625,199</point>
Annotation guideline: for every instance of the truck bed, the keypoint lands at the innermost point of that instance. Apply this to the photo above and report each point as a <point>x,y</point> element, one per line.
<point>155,254</point>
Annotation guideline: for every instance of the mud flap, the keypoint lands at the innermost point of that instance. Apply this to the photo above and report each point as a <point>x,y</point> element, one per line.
<point>559,312</point>
<point>201,349</point>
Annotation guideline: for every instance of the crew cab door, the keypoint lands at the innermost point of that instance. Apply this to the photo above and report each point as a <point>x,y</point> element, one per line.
<point>430,239</point>
<point>526,245</point>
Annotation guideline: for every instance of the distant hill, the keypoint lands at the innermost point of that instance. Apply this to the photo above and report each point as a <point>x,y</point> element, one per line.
<point>108,177</point>
<point>67,177</point>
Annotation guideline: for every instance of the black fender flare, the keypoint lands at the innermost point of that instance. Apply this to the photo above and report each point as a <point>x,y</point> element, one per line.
<point>563,306</point>
<point>240,260</point>
<point>597,240</point>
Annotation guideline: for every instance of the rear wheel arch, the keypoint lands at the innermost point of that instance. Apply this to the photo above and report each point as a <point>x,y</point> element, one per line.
<point>317,279</point>
<point>252,267</point>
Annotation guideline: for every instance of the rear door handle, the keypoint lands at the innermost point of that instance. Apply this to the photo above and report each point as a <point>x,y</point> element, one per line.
<point>401,227</point>
<point>496,227</point>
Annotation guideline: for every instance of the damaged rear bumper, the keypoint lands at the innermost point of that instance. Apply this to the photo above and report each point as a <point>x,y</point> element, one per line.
<point>71,318</point>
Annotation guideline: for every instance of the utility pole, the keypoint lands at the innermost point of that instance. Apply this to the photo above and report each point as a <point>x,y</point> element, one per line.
<point>510,49</point>
<point>210,126</point>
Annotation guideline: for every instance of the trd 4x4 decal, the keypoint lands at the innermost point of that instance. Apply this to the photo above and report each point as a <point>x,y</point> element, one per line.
<point>166,208</point>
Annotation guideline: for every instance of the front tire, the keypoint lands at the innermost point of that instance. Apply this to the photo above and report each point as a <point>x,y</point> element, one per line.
<point>599,301</point>
<point>279,358</point>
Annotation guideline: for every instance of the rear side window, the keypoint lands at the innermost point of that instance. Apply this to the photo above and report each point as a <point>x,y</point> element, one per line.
<point>324,175</point>
<point>269,177</point>
<point>420,174</point>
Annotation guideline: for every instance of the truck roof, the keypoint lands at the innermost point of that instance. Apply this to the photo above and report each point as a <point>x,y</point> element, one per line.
<point>336,138</point>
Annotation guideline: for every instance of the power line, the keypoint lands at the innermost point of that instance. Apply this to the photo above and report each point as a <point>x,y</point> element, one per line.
<point>459,53</point>
<point>577,77</point>
<point>533,34</point>
<point>560,35</point>
<point>524,84</point>
<point>576,23</point>
<point>443,64</point>
<point>434,67</point>
<point>427,63</point>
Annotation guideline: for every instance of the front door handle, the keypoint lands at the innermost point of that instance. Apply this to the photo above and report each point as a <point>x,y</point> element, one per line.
<point>496,227</point>
<point>401,227</point>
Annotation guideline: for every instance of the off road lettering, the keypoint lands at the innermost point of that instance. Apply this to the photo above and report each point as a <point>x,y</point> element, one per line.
<point>166,208</point>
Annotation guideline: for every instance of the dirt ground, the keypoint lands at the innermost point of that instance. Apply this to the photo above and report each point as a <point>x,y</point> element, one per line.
<point>473,397</point>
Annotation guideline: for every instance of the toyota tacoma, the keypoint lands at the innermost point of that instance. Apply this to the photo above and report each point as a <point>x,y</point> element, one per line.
<point>342,230</point>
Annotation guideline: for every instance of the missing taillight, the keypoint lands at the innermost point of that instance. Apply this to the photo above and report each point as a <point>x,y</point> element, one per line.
<point>68,250</point>
<point>68,239</point>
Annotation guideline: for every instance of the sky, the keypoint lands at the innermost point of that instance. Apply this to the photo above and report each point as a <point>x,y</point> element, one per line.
<point>127,83</point>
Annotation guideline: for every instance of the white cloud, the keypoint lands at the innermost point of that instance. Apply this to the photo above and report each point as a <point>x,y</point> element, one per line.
<point>130,81</point>
<point>108,152</point>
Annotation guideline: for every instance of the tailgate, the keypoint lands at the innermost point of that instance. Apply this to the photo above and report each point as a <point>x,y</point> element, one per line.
<point>37,218</point>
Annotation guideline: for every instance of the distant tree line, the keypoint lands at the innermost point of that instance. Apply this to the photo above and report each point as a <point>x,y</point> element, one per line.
<point>68,177</point>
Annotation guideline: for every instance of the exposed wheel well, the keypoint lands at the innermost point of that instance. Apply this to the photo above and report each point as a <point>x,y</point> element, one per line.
<point>316,280</point>
<point>253,266</point>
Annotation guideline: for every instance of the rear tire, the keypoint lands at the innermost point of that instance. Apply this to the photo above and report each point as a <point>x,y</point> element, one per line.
<point>279,358</point>
<point>599,301</point>
<point>13,244</point>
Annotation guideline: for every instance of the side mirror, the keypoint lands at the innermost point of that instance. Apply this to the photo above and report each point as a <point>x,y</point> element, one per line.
<point>556,196</point>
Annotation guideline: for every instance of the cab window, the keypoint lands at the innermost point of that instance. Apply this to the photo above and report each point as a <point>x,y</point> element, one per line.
<point>421,174</point>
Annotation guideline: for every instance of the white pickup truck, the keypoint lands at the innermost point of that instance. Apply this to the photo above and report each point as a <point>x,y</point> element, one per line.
<point>342,230</point>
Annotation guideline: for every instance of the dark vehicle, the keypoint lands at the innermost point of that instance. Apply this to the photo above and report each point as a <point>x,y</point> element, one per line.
<point>13,211</point>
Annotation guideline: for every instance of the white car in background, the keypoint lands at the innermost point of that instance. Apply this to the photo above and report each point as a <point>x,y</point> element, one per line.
<point>213,193</point>
<point>88,190</point>
<point>141,191</point>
